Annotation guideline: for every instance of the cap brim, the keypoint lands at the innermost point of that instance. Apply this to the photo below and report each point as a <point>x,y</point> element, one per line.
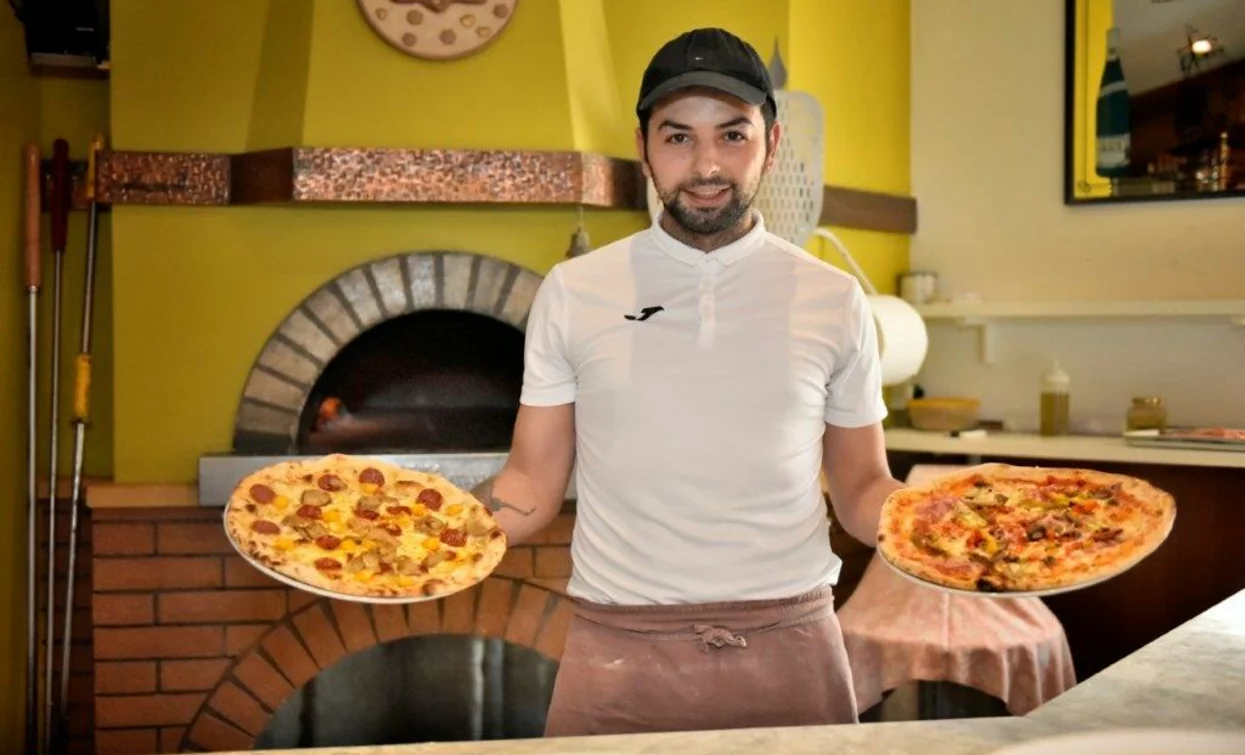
<point>708,79</point>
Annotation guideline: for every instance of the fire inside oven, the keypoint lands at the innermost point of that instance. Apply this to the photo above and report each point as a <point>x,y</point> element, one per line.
<point>430,381</point>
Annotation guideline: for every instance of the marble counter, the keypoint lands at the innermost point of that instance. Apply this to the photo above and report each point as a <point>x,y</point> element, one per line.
<point>1191,678</point>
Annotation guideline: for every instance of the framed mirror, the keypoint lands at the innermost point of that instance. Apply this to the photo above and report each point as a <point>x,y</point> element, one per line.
<point>1154,100</point>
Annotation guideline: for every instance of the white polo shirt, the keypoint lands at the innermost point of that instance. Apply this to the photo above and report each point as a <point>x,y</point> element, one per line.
<point>699,425</point>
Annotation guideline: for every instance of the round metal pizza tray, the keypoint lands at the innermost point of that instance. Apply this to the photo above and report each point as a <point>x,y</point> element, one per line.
<point>296,584</point>
<point>1002,595</point>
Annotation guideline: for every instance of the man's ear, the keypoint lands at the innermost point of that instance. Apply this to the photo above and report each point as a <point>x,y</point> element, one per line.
<point>772,140</point>
<point>641,149</point>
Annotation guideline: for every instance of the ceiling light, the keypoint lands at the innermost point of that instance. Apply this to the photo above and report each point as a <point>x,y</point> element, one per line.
<point>1200,46</point>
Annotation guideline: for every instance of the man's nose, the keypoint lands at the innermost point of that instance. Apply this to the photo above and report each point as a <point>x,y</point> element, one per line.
<point>705,162</point>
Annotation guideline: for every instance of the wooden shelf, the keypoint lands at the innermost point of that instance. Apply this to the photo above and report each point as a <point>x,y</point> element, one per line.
<point>1083,448</point>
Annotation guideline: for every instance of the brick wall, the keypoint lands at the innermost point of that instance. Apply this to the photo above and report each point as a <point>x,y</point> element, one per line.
<point>195,649</point>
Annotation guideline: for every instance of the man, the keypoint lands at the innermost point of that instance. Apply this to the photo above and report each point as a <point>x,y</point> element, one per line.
<point>704,372</point>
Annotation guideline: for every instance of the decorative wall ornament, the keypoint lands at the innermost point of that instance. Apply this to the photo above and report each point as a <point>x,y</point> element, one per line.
<point>438,29</point>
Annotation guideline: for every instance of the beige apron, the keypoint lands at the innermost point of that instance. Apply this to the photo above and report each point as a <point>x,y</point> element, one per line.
<point>632,669</point>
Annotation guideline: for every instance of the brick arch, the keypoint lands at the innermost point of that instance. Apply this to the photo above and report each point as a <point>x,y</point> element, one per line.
<point>325,631</point>
<point>323,324</point>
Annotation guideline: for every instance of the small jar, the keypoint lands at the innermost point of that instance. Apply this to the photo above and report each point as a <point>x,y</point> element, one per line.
<point>1147,413</point>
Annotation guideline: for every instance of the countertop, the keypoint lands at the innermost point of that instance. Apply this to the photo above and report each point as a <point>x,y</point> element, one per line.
<point>1085,448</point>
<point>1191,678</point>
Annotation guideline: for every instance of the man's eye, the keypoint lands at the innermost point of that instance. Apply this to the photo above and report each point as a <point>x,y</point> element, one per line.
<point>677,139</point>
<point>736,136</point>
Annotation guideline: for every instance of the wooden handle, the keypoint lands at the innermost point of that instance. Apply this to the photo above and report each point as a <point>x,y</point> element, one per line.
<point>60,194</point>
<point>33,208</point>
<point>82,387</point>
<point>92,164</point>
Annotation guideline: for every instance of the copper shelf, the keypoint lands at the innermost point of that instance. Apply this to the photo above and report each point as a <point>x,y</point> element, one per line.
<point>333,175</point>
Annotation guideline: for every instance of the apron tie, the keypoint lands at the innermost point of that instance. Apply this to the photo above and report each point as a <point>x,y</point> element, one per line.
<point>717,637</point>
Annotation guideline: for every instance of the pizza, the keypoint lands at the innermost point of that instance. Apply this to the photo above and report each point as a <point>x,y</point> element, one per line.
<point>362,527</point>
<point>1000,528</point>
<point>1226,434</point>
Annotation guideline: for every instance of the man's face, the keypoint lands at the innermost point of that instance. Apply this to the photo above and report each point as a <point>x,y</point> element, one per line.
<point>706,156</point>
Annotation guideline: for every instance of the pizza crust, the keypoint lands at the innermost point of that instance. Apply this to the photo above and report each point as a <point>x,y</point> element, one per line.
<point>476,560</point>
<point>906,509</point>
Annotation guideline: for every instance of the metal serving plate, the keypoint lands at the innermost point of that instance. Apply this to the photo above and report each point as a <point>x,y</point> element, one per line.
<point>219,474</point>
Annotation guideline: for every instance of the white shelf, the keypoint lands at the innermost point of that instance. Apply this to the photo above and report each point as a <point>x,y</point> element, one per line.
<point>1082,448</point>
<point>984,315</point>
<point>1232,309</point>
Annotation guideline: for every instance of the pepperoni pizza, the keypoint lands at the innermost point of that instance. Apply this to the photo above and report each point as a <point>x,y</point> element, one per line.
<point>361,527</point>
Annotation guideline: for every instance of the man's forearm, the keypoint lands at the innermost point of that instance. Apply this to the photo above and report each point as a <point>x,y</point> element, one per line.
<point>521,511</point>
<point>863,509</point>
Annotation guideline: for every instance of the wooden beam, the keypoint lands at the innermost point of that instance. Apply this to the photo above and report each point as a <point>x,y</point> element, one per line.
<point>868,210</point>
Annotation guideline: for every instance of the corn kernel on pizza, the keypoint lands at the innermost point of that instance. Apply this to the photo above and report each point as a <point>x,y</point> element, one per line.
<point>1004,529</point>
<point>362,527</point>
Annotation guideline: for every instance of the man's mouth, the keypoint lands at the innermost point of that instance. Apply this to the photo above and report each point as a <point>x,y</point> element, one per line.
<point>707,195</point>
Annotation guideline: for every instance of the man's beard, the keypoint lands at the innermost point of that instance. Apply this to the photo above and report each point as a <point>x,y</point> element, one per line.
<point>708,221</point>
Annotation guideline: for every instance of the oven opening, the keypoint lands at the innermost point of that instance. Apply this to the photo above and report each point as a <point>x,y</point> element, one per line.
<point>429,381</point>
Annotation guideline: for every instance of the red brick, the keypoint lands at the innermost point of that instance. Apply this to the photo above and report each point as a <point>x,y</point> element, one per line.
<point>553,635</point>
<point>137,539</point>
<point>192,537</point>
<point>241,637</point>
<point>221,606</point>
<point>527,616</point>
<point>460,612</point>
<point>122,677</point>
<point>212,734</point>
<point>300,599</point>
<point>191,676</point>
<point>552,585</point>
<point>289,655</point>
<point>236,706</point>
<point>146,710</point>
<point>425,617</point>
<point>516,563</point>
<point>162,513</point>
<point>239,573</point>
<point>320,637</point>
<point>354,624</point>
<point>158,573</point>
<point>159,642</point>
<point>257,675</point>
<point>494,610</point>
<point>558,532</point>
<point>123,610</point>
<point>126,741</point>
<point>390,622</point>
<point>553,561</point>
<point>171,739</point>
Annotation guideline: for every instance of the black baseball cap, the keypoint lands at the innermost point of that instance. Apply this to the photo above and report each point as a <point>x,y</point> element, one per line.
<point>712,58</point>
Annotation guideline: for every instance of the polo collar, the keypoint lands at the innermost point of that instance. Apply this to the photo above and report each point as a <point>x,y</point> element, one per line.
<point>729,254</point>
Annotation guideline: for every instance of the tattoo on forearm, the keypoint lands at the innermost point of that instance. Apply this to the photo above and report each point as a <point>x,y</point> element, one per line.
<point>484,492</point>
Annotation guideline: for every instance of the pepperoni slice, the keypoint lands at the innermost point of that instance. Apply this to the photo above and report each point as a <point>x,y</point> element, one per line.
<point>328,542</point>
<point>263,493</point>
<point>331,482</point>
<point>310,512</point>
<point>328,564</point>
<point>372,476</point>
<point>396,510</point>
<point>385,567</point>
<point>365,514</point>
<point>457,538</point>
<point>392,529</point>
<point>430,498</point>
<point>265,527</point>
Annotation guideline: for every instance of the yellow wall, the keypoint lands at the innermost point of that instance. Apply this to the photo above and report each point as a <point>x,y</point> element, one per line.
<point>42,110</point>
<point>198,291</point>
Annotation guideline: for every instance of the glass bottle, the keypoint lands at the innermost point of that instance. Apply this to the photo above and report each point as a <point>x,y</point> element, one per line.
<point>1147,413</point>
<point>1055,402</point>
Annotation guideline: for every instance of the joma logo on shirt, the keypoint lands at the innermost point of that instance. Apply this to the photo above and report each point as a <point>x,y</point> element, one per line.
<point>645,313</point>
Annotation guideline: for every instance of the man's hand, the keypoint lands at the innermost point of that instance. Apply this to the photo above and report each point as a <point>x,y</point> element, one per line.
<point>527,493</point>
<point>859,477</point>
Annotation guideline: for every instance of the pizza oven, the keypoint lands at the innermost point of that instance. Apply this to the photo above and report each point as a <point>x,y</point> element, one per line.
<point>417,359</point>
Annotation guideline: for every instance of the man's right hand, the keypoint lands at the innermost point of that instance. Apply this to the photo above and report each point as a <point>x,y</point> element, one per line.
<point>529,490</point>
